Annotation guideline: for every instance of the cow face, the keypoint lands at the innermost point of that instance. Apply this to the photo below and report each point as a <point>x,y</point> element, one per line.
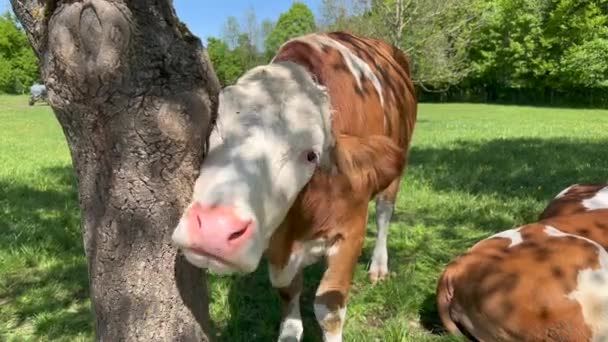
<point>273,132</point>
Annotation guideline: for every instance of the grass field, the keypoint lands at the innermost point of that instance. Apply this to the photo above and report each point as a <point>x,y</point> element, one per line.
<point>474,170</point>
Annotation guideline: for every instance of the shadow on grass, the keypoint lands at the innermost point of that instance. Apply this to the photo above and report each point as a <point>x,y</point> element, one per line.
<point>507,170</point>
<point>44,283</point>
<point>255,307</point>
<point>522,170</point>
<point>512,168</point>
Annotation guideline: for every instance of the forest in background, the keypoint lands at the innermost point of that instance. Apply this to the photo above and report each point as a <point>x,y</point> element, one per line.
<point>18,64</point>
<point>510,51</point>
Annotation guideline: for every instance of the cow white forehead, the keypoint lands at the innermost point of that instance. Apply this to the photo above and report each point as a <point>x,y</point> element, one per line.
<point>280,97</point>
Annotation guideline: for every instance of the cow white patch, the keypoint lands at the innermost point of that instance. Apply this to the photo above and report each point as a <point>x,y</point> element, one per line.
<point>379,264</point>
<point>308,253</point>
<point>322,313</point>
<point>565,191</point>
<point>333,250</point>
<point>512,234</point>
<point>357,66</point>
<point>592,294</point>
<point>592,289</point>
<point>291,328</point>
<point>598,201</point>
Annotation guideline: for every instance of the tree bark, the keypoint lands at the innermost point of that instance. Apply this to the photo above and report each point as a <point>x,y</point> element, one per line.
<point>135,94</point>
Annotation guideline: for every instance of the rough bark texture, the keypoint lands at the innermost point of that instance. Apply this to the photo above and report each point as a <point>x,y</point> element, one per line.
<point>135,94</point>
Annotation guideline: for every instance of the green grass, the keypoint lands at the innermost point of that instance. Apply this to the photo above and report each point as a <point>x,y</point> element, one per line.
<point>474,170</point>
<point>43,274</point>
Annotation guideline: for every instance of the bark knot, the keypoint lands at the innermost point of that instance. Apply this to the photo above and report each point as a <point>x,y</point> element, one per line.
<point>185,116</point>
<point>90,38</point>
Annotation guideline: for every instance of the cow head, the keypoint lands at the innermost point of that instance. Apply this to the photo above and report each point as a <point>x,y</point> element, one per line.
<point>272,134</point>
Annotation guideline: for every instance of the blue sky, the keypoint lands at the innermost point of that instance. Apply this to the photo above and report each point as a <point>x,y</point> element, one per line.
<point>4,5</point>
<point>206,18</point>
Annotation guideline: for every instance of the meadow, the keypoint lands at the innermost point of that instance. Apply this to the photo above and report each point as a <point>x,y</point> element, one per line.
<point>474,170</point>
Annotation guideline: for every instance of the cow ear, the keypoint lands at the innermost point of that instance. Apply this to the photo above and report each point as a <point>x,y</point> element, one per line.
<point>369,163</point>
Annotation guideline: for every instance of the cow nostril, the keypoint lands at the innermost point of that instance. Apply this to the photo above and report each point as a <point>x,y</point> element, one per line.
<point>200,224</point>
<point>237,234</point>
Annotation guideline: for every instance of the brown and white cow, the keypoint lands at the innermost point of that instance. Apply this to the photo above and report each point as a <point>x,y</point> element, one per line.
<point>578,198</point>
<point>545,281</point>
<point>300,147</point>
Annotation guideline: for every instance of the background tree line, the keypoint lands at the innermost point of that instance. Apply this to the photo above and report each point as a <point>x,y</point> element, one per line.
<point>515,51</point>
<point>518,51</point>
<point>18,65</point>
<point>248,43</point>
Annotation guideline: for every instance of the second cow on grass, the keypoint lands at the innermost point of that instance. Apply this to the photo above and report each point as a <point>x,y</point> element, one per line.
<point>545,281</point>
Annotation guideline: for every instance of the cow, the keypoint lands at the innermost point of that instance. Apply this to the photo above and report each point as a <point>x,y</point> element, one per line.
<point>578,198</point>
<point>300,147</point>
<point>544,281</point>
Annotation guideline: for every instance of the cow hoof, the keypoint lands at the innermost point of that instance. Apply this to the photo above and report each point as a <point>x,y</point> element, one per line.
<point>378,269</point>
<point>378,275</point>
<point>291,330</point>
<point>288,339</point>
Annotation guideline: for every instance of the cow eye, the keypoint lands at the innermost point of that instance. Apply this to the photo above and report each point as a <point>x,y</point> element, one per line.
<point>312,156</point>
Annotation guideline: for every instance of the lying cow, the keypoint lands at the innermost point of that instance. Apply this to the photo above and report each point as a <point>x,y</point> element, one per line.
<point>300,147</point>
<point>546,281</point>
<point>577,199</point>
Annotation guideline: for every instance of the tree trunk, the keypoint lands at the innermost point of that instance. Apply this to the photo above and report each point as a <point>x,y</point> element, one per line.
<point>135,95</point>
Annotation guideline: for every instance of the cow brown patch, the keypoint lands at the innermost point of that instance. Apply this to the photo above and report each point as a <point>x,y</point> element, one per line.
<point>592,260</point>
<point>601,225</point>
<point>542,254</point>
<point>557,272</point>
<point>544,313</point>
<point>583,232</point>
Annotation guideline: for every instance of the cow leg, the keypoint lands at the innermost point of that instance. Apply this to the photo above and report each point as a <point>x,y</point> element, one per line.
<point>291,328</point>
<point>385,203</point>
<point>332,293</point>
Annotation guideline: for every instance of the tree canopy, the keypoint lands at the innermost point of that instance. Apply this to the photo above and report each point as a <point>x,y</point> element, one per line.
<point>246,44</point>
<point>18,64</point>
<point>510,50</point>
<point>481,50</point>
<point>297,21</point>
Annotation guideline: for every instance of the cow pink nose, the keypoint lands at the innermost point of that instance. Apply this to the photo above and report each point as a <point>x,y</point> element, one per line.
<point>217,231</point>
